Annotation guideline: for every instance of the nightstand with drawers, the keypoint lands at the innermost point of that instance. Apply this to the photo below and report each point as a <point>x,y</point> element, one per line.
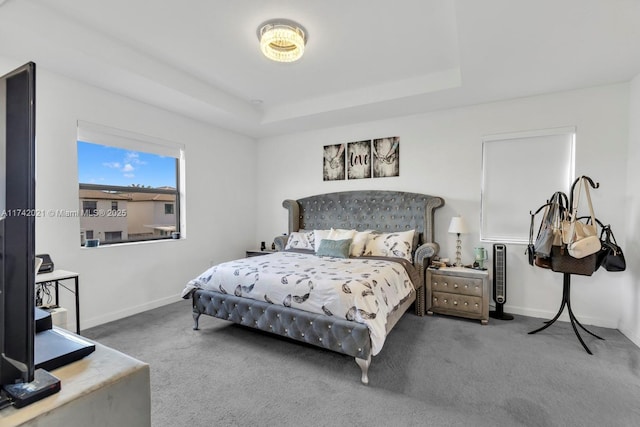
<point>458,291</point>
<point>258,252</point>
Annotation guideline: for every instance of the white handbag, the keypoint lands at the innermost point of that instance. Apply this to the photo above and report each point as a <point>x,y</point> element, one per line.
<point>583,238</point>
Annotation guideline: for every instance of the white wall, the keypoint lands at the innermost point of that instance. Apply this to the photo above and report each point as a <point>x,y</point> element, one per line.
<point>116,281</point>
<point>235,188</point>
<point>440,154</point>
<point>631,297</point>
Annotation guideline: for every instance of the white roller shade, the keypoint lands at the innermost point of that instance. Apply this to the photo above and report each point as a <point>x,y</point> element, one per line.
<point>104,135</point>
<point>520,171</point>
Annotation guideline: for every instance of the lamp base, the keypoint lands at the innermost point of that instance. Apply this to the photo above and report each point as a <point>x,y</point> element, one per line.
<point>458,252</point>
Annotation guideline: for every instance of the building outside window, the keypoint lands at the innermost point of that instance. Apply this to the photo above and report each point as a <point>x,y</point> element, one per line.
<point>110,236</point>
<point>89,208</point>
<point>129,186</point>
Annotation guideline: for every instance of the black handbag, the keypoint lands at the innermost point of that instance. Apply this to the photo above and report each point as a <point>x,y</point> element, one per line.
<point>610,256</point>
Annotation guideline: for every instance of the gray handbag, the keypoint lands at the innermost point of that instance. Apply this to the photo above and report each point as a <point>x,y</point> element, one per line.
<point>550,233</point>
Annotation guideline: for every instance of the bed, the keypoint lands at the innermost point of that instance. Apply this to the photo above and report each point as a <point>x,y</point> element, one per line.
<point>318,291</point>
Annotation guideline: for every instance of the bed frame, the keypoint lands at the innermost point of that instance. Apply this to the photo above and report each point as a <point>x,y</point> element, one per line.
<point>386,211</point>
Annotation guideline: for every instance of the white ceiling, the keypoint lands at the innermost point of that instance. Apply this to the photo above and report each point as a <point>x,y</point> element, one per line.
<point>365,59</point>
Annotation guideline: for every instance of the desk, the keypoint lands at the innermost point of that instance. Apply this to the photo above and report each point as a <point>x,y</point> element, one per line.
<point>56,276</point>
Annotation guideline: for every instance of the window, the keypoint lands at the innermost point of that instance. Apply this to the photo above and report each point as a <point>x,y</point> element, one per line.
<point>89,234</point>
<point>520,171</point>
<point>110,236</point>
<point>129,185</point>
<point>89,208</point>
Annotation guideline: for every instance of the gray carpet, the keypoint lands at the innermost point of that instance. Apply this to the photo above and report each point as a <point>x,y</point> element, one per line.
<point>433,371</point>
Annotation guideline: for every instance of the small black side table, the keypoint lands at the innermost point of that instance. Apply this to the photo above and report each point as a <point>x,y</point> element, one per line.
<point>56,276</point>
<point>566,301</point>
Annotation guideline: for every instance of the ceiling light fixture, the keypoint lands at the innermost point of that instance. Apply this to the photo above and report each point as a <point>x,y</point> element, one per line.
<point>282,40</point>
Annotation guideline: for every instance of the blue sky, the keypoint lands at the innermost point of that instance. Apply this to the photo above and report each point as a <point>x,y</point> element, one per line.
<point>100,164</point>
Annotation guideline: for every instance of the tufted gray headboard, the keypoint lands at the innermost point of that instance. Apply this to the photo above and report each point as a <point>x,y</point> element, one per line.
<point>380,210</point>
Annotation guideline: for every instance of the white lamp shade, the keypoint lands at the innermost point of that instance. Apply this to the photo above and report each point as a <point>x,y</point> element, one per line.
<point>457,225</point>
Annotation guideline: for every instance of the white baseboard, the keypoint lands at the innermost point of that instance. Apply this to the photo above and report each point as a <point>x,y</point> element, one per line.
<point>546,315</point>
<point>542,314</point>
<point>130,311</point>
<point>633,337</point>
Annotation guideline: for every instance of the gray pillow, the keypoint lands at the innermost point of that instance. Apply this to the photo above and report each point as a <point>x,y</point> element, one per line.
<point>334,248</point>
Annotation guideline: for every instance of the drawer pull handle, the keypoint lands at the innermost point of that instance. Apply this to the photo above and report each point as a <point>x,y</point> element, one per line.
<point>455,303</point>
<point>466,304</point>
<point>455,285</point>
<point>445,301</point>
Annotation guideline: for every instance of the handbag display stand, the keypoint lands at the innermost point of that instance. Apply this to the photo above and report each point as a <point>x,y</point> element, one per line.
<point>566,301</point>
<point>566,298</point>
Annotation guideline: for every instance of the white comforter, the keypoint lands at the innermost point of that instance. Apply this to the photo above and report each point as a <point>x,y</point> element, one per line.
<point>359,289</point>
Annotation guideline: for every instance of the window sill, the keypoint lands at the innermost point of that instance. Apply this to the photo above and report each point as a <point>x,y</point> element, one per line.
<point>141,242</point>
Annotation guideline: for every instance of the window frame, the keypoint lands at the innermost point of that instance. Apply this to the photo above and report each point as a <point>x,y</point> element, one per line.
<point>93,133</point>
<point>90,211</point>
<point>554,148</point>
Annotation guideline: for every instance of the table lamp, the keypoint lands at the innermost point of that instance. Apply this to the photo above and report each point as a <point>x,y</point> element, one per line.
<point>458,227</point>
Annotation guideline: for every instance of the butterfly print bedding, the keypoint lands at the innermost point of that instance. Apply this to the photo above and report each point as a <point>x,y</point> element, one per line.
<point>363,290</point>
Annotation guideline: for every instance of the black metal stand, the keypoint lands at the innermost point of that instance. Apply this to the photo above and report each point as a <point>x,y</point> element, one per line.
<point>566,301</point>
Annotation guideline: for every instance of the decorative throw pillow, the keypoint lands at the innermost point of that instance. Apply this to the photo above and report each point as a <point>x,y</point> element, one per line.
<point>318,236</point>
<point>334,248</point>
<point>359,242</point>
<point>300,240</point>
<point>398,245</point>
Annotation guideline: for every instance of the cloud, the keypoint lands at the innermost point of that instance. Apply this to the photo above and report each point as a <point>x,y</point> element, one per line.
<point>129,175</point>
<point>112,165</point>
<point>127,168</point>
<point>133,158</point>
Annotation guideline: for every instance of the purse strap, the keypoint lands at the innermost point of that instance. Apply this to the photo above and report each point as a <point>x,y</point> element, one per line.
<point>608,235</point>
<point>560,205</point>
<point>588,192</point>
<point>574,209</point>
<point>533,217</point>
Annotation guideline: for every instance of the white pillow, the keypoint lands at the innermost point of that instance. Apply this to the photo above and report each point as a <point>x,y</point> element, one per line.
<point>300,240</point>
<point>358,243</point>
<point>395,245</point>
<point>318,236</point>
<point>340,234</point>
